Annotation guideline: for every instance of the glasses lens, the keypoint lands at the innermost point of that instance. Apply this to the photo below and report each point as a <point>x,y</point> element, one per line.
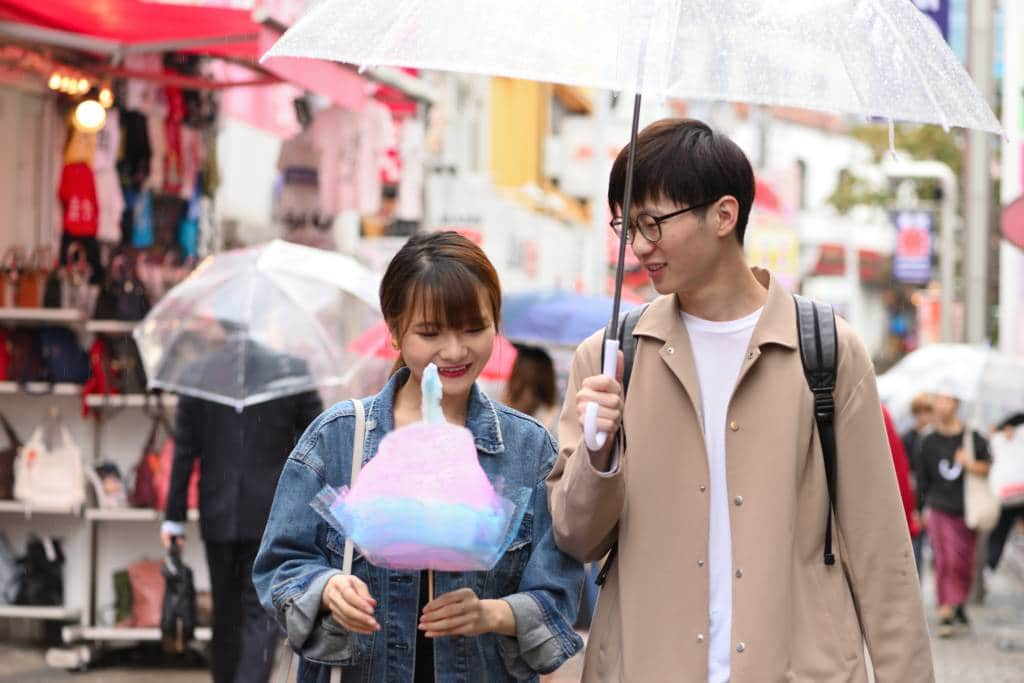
<point>648,227</point>
<point>617,229</point>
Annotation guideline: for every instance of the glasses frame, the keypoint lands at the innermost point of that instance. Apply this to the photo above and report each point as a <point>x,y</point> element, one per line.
<point>616,223</point>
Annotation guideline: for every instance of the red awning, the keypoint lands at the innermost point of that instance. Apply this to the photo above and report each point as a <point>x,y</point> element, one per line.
<point>135,22</point>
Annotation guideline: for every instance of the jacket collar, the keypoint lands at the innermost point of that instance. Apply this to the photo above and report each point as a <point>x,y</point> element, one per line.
<point>777,324</point>
<point>481,417</point>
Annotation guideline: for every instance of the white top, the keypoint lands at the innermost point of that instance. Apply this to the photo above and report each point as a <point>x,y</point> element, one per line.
<point>718,351</point>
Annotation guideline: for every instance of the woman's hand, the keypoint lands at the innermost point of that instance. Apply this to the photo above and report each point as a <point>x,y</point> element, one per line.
<point>962,458</point>
<point>462,613</point>
<point>350,603</point>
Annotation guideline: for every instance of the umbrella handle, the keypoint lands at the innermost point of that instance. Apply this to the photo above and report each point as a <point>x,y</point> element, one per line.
<point>594,439</point>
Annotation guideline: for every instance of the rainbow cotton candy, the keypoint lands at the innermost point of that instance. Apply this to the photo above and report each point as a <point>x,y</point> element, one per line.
<point>423,501</point>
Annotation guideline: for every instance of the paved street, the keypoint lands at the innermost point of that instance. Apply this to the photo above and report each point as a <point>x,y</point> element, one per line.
<point>992,653</point>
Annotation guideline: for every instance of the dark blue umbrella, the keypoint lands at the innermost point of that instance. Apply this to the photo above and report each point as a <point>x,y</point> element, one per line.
<point>554,317</point>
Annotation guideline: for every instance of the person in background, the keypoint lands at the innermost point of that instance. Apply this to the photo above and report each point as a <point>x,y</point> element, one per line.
<point>941,465</point>
<point>1010,515</point>
<point>531,387</point>
<point>924,416</point>
<point>902,467</point>
<point>240,455</point>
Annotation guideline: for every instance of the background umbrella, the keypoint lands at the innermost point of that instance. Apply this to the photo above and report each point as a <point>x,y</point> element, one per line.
<point>990,384</point>
<point>875,59</point>
<point>554,317</point>
<point>260,323</point>
<point>376,342</point>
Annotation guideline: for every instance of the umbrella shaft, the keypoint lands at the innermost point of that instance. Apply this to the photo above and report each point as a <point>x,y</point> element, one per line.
<point>613,326</point>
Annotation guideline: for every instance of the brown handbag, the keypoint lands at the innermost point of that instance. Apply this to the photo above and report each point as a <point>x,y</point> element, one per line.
<point>33,277</point>
<point>12,275</point>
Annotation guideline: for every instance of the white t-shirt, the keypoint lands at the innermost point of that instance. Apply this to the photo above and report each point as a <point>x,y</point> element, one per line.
<point>718,352</point>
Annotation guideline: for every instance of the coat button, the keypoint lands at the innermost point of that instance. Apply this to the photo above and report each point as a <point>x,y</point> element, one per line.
<point>702,488</point>
<point>700,637</point>
<point>670,350</point>
<point>737,501</point>
<point>734,426</point>
<point>741,647</point>
<point>739,573</point>
<point>700,563</point>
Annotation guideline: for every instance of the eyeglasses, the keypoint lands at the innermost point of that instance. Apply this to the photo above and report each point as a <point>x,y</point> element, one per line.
<point>650,226</point>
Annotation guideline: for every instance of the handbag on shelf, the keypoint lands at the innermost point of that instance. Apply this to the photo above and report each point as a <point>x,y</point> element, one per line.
<point>65,359</point>
<point>147,593</point>
<point>13,270</point>
<point>7,457</point>
<point>153,471</point>
<point>50,474</point>
<point>26,357</point>
<point>123,296</point>
<point>33,280</point>
<point>10,572</point>
<point>77,290</point>
<point>42,573</point>
<point>981,507</point>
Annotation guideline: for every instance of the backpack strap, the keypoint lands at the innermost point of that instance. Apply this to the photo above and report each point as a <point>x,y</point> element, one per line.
<point>816,327</point>
<point>627,343</point>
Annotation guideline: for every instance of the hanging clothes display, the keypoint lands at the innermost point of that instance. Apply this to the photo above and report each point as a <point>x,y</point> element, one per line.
<point>77,193</point>
<point>299,165</point>
<point>109,199</point>
<point>336,133</point>
<point>378,135</point>
<point>410,186</point>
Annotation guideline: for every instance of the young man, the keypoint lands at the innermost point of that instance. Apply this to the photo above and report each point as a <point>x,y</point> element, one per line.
<point>714,490</point>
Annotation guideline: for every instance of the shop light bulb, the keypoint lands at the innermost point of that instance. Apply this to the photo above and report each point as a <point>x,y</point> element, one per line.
<point>83,85</point>
<point>106,98</point>
<point>54,82</point>
<point>90,116</point>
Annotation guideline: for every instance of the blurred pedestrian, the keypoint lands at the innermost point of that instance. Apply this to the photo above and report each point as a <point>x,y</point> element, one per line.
<point>240,457</point>
<point>923,412</point>
<point>902,467</point>
<point>441,299</point>
<point>1010,514</point>
<point>942,462</point>
<point>714,490</point>
<point>531,387</point>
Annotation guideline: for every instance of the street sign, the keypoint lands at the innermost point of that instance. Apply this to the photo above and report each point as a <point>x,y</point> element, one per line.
<point>912,259</point>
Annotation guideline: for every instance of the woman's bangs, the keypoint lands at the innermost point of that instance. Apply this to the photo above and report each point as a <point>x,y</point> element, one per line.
<point>451,298</point>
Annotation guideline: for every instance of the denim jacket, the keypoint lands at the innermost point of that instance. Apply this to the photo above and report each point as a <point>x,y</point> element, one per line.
<point>300,552</point>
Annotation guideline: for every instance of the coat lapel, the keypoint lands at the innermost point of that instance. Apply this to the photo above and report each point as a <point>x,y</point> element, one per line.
<point>663,322</point>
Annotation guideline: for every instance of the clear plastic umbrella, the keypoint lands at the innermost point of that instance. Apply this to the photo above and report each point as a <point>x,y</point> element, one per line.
<point>260,323</point>
<point>872,58</point>
<point>990,384</point>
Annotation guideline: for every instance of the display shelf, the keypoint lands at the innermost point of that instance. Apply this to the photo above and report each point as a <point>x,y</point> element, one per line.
<point>19,507</point>
<point>128,400</point>
<point>72,634</point>
<point>131,515</point>
<point>41,389</point>
<point>111,326</point>
<point>33,612</point>
<point>41,315</point>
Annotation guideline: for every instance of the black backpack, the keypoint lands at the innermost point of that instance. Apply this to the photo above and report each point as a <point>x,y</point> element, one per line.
<point>816,329</point>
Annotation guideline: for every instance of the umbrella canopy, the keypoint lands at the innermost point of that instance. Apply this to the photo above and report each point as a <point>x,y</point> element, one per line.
<point>882,58</point>
<point>554,317</point>
<point>376,342</point>
<point>259,323</point>
<point>990,383</point>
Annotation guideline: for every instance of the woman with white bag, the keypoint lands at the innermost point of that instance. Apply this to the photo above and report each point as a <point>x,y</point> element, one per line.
<point>1007,481</point>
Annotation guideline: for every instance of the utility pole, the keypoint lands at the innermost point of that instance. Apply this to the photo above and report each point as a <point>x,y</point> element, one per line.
<point>979,178</point>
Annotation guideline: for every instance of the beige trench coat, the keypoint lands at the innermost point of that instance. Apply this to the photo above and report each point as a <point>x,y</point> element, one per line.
<point>794,619</point>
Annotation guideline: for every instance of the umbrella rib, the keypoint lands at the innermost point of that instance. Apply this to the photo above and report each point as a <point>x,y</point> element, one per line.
<point>913,64</point>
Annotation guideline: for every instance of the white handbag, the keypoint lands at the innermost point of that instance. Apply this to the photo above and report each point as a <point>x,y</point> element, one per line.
<point>981,507</point>
<point>358,440</point>
<point>1006,478</point>
<point>49,476</point>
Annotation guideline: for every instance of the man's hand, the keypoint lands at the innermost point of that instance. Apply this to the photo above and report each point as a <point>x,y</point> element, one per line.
<point>166,539</point>
<point>350,603</point>
<point>607,394</point>
<point>462,613</point>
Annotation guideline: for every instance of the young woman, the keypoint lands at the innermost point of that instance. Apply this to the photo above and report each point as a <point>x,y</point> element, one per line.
<point>531,388</point>
<point>442,301</point>
<point>942,462</point>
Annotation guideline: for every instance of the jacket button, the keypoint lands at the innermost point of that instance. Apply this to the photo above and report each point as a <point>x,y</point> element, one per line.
<point>737,501</point>
<point>670,350</point>
<point>741,647</point>
<point>734,426</point>
<point>700,637</point>
<point>702,488</point>
<point>700,563</point>
<point>739,573</point>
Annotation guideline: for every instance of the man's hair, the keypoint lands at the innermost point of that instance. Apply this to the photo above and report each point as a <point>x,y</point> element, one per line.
<point>686,162</point>
<point>922,403</point>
